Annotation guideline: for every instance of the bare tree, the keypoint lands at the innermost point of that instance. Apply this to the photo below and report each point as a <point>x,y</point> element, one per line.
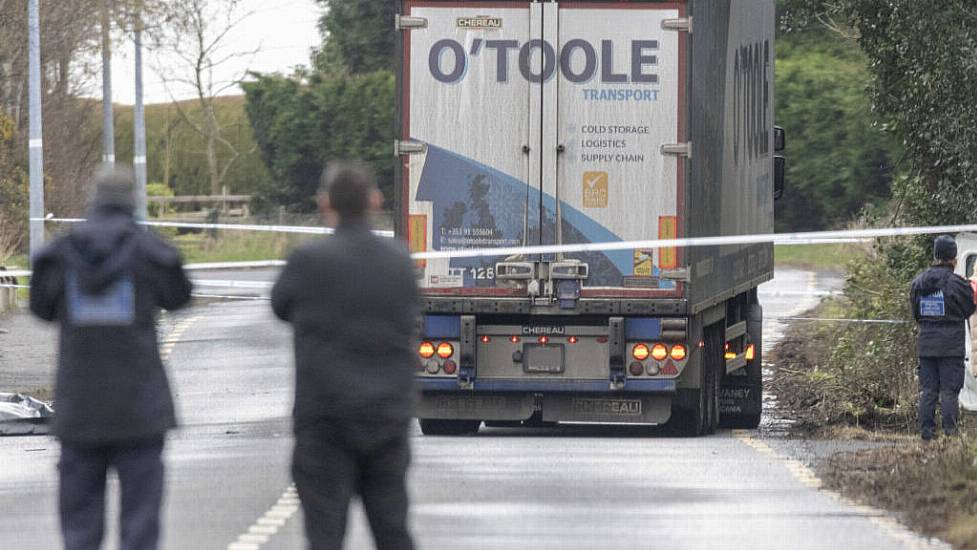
<point>194,32</point>
<point>11,237</point>
<point>68,43</point>
<point>169,127</point>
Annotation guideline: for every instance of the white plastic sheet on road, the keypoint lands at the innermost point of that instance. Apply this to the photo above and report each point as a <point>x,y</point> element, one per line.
<point>23,415</point>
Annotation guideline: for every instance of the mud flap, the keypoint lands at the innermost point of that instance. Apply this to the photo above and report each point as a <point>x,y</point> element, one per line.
<point>741,392</point>
<point>738,398</point>
<point>616,408</point>
<point>470,406</point>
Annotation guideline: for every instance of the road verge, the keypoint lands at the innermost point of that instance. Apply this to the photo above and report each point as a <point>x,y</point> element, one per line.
<point>828,394</point>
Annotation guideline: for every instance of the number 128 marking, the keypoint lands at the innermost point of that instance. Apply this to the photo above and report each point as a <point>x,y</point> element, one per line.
<point>482,273</point>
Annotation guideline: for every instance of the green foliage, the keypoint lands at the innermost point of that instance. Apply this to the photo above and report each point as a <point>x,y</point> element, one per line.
<point>344,109</point>
<point>157,190</point>
<point>13,194</point>
<point>176,153</point>
<point>358,34</point>
<point>840,373</point>
<point>839,161</point>
<point>300,126</point>
<point>922,59</point>
<point>922,56</point>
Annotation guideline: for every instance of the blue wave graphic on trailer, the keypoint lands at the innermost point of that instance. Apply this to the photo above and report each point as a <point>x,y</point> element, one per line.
<point>473,200</point>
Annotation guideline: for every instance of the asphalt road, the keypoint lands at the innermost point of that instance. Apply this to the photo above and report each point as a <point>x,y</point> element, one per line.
<point>565,488</point>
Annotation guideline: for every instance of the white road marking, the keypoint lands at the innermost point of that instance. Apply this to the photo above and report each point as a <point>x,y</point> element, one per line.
<point>268,525</point>
<point>808,478</point>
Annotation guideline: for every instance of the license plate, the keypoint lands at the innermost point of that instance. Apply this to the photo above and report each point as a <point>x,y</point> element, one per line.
<point>543,359</point>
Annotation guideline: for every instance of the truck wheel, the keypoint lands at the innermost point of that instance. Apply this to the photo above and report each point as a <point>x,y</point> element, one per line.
<point>432,426</point>
<point>697,411</point>
<point>714,365</point>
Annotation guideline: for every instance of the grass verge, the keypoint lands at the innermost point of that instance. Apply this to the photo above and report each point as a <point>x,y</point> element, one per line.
<point>819,257</point>
<point>932,487</point>
<point>236,246</point>
<point>832,374</point>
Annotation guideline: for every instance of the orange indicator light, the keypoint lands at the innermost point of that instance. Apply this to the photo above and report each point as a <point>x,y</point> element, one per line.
<point>659,352</point>
<point>678,352</point>
<point>445,350</point>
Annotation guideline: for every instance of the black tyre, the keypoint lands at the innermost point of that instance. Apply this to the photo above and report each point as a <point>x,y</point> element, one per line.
<point>697,411</point>
<point>714,365</point>
<point>431,426</point>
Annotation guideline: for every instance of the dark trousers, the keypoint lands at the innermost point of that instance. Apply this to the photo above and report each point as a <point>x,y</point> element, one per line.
<point>336,459</point>
<point>83,470</point>
<point>940,378</point>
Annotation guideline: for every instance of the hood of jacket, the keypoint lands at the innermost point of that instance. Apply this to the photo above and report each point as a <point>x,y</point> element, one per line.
<point>99,251</point>
<point>934,279</point>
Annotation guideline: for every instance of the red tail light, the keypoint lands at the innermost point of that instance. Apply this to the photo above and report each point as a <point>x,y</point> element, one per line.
<point>450,367</point>
<point>486,339</point>
<point>514,339</point>
<point>573,339</point>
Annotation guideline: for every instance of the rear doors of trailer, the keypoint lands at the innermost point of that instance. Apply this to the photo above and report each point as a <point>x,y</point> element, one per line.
<point>542,123</point>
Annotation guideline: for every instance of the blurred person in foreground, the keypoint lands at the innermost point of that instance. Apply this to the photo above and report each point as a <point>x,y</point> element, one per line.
<point>353,304</point>
<point>105,282</point>
<point>941,301</point>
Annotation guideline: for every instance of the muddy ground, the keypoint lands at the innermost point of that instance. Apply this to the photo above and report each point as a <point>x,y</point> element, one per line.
<point>932,488</point>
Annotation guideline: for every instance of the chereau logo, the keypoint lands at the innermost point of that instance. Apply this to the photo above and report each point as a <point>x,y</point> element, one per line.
<point>480,22</point>
<point>543,330</point>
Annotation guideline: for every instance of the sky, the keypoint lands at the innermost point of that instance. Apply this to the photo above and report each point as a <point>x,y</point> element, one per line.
<point>284,29</point>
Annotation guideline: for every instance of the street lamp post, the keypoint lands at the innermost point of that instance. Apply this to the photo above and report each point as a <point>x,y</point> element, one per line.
<point>36,140</point>
<point>139,131</point>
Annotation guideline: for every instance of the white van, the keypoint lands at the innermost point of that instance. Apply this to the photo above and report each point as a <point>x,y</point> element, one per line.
<point>967,258</point>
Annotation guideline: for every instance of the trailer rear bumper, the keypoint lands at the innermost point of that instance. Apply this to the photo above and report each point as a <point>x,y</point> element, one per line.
<point>620,407</point>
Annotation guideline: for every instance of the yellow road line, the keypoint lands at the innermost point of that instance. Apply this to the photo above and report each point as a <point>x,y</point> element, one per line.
<point>173,338</point>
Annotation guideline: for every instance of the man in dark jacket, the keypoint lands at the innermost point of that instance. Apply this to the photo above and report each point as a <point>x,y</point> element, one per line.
<point>353,304</point>
<point>942,301</point>
<point>104,283</point>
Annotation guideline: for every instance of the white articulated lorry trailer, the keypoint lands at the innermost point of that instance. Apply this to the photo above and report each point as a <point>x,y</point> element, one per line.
<point>561,122</point>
